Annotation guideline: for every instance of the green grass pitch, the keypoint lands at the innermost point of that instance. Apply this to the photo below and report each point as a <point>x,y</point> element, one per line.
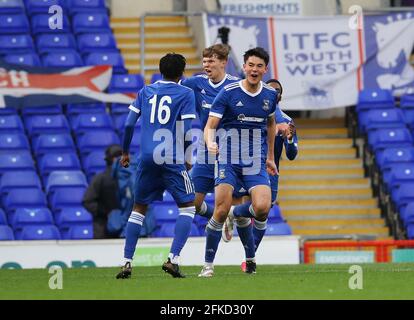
<point>380,281</point>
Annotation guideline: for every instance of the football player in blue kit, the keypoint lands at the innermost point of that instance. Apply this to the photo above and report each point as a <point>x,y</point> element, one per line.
<point>290,143</point>
<point>206,87</point>
<point>246,110</point>
<point>164,107</point>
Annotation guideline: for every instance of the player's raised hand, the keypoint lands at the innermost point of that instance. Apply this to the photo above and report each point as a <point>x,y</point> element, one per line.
<point>291,131</point>
<point>212,147</point>
<point>271,167</point>
<point>125,160</point>
<point>283,129</point>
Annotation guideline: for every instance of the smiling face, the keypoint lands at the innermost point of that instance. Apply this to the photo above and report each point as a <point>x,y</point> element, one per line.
<point>214,68</point>
<point>254,68</point>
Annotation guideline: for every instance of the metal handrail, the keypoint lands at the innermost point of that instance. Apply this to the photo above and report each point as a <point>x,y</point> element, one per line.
<point>142,30</point>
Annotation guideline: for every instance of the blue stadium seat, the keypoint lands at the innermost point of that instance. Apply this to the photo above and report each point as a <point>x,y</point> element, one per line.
<point>8,111</point>
<point>136,140</point>
<point>90,22</point>
<point>45,110</point>
<point>410,231</point>
<point>375,99</point>
<point>80,232</point>
<point>381,119</point>
<point>11,6</point>
<point>167,231</point>
<point>67,59</point>
<point>11,124</point>
<point>28,59</point>
<point>385,138</point>
<point>407,106</point>
<point>407,214</point>
<point>14,180</point>
<point>40,24</point>
<point>66,197</point>
<point>46,43</point>
<point>30,216</point>
<point>65,179</point>
<point>6,233</point>
<point>21,161</point>
<point>386,173</point>
<point>156,77</point>
<point>3,218</point>
<point>41,124</point>
<point>16,43</point>
<point>119,108</point>
<point>45,143</point>
<point>129,83</point>
<point>278,229</point>
<point>401,174</point>
<point>119,123</point>
<point>14,23</point>
<point>74,109</point>
<point>41,232</point>
<point>403,195</point>
<point>93,163</point>
<point>57,161</point>
<point>112,58</point>
<point>164,212</point>
<point>24,198</point>
<point>96,141</point>
<point>42,6</point>
<point>386,158</point>
<point>88,122</point>
<point>72,216</point>
<point>93,42</point>
<point>275,215</point>
<point>77,6</point>
<point>13,141</point>
<point>168,198</point>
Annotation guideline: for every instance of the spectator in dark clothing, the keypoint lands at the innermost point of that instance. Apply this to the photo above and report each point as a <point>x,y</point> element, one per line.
<point>101,196</point>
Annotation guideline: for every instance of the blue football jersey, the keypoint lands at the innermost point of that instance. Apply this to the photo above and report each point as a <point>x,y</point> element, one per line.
<point>244,116</point>
<point>205,92</point>
<point>160,106</point>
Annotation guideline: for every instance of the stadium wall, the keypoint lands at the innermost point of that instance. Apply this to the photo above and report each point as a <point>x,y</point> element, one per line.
<point>150,252</point>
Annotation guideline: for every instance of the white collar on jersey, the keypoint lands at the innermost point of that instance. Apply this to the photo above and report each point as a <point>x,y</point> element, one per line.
<point>217,84</point>
<point>249,93</point>
<point>163,81</point>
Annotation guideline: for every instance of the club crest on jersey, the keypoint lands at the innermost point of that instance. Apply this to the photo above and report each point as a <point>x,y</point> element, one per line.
<point>241,117</point>
<point>222,174</point>
<point>266,105</point>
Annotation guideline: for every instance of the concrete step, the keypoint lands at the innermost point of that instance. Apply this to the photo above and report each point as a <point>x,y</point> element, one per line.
<point>337,224</point>
<point>298,164</point>
<point>328,194</point>
<point>186,51</point>
<point>324,143</point>
<point>324,133</point>
<point>151,24</point>
<point>328,204</point>
<point>379,232</point>
<point>320,123</point>
<point>150,29</point>
<point>156,61</point>
<point>133,37</point>
<point>134,45</point>
<point>300,173</point>
<point>342,184</point>
<point>156,56</point>
<point>161,41</point>
<point>339,153</point>
<point>310,214</point>
<point>148,19</point>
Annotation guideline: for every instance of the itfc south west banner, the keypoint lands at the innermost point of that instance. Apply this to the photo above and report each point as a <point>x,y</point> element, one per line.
<point>35,86</point>
<point>321,61</point>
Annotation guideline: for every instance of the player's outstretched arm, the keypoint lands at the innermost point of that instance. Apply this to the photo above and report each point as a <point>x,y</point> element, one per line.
<point>129,132</point>
<point>210,134</point>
